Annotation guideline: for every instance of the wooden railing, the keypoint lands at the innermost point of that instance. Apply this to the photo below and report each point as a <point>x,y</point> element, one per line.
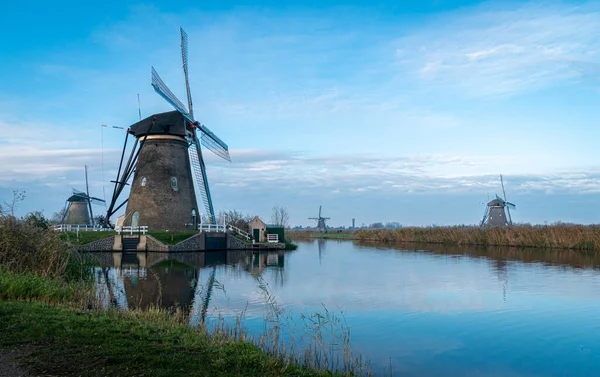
<point>272,238</point>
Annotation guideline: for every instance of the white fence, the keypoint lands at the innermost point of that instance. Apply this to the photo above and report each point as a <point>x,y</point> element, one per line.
<point>78,228</point>
<point>209,227</point>
<point>132,229</point>
<point>272,238</point>
<point>212,227</point>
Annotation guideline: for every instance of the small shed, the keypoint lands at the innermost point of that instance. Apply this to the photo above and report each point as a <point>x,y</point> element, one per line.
<point>258,229</point>
<point>276,229</point>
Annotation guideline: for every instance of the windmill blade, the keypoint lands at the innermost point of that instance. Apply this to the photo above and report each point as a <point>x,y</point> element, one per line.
<point>201,182</point>
<point>503,191</point>
<point>184,50</point>
<point>505,201</point>
<point>96,201</point>
<point>500,199</point>
<point>77,192</point>
<point>161,88</point>
<point>485,215</point>
<point>213,143</point>
<point>511,205</point>
<point>319,211</point>
<point>87,189</point>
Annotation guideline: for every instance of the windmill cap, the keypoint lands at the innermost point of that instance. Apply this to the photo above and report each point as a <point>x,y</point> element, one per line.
<point>169,123</point>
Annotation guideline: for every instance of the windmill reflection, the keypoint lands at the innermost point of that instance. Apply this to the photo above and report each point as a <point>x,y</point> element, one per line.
<point>500,267</point>
<point>174,281</point>
<point>321,246</point>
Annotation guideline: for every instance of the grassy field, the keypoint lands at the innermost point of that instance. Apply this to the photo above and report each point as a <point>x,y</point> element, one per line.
<point>564,236</point>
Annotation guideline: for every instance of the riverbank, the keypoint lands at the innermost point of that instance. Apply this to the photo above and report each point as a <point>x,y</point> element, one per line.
<point>561,236</point>
<point>50,323</point>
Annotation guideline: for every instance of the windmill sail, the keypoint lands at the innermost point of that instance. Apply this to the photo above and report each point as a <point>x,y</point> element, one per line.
<point>161,88</point>
<point>213,144</point>
<point>200,180</point>
<point>184,50</point>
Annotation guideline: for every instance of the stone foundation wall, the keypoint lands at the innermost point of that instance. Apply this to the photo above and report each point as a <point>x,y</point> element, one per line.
<point>152,244</point>
<point>194,243</point>
<point>105,244</point>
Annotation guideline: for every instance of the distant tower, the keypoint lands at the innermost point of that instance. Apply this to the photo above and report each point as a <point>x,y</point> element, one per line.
<point>77,212</point>
<point>353,223</point>
<point>78,208</point>
<point>494,212</point>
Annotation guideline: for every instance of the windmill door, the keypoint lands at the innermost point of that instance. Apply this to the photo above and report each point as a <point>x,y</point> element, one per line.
<point>256,234</point>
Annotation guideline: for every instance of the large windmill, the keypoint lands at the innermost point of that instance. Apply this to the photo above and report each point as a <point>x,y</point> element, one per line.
<point>166,163</point>
<point>320,221</point>
<point>78,207</point>
<point>494,211</point>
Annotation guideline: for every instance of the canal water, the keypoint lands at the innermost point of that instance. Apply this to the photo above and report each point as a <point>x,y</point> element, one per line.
<point>422,310</point>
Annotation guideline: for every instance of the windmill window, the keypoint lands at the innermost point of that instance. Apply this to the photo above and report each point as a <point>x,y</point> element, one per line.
<point>143,181</point>
<point>174,183</point>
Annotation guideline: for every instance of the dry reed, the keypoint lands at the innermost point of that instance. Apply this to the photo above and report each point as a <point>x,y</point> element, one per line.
<point>565,236</point>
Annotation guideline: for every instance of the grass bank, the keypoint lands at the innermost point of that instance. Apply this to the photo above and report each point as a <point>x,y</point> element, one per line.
<point>53,322</point>
<point>111,343</point>
<point>577,237</point>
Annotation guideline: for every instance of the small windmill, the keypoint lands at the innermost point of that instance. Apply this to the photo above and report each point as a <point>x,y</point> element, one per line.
<point>78,207</point>
<point>173,155</point>
<point>494,211</point>
<point>320,221</point>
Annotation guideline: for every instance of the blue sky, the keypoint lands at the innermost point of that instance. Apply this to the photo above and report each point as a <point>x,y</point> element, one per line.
<point>377,111</point>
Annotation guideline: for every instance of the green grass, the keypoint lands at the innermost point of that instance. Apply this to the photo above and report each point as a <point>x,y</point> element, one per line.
<point>172,238</point>
<point>85,236</point>
<point>68,342</point>
<point>27,286</point>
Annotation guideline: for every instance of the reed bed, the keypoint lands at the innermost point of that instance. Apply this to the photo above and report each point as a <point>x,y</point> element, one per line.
<point>29,245</point>
<point>564,236</point>
<point>314,341</point>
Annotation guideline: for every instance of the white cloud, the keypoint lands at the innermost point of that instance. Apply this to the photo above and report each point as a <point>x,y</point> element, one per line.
<point>493,50</point>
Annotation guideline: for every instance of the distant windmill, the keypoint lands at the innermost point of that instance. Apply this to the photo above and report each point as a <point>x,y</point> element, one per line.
<point>320,221</point>
<point>163,194</point>
<point>494,211</point>
<point>78,207</point>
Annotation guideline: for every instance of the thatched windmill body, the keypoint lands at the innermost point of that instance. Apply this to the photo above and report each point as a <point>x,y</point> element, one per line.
<point>78,207</point>
<point>169,174</point>
<point>496,211</point>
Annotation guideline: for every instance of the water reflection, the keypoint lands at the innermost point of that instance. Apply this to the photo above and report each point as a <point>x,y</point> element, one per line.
<point>183,281</point>
<point>435,310</point>
<point>554,257</point>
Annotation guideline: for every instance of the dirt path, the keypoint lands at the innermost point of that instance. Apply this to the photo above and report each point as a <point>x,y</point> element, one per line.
<point>9,367</point>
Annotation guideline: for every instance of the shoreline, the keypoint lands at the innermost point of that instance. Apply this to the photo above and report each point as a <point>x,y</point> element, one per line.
<point>561,236</point>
